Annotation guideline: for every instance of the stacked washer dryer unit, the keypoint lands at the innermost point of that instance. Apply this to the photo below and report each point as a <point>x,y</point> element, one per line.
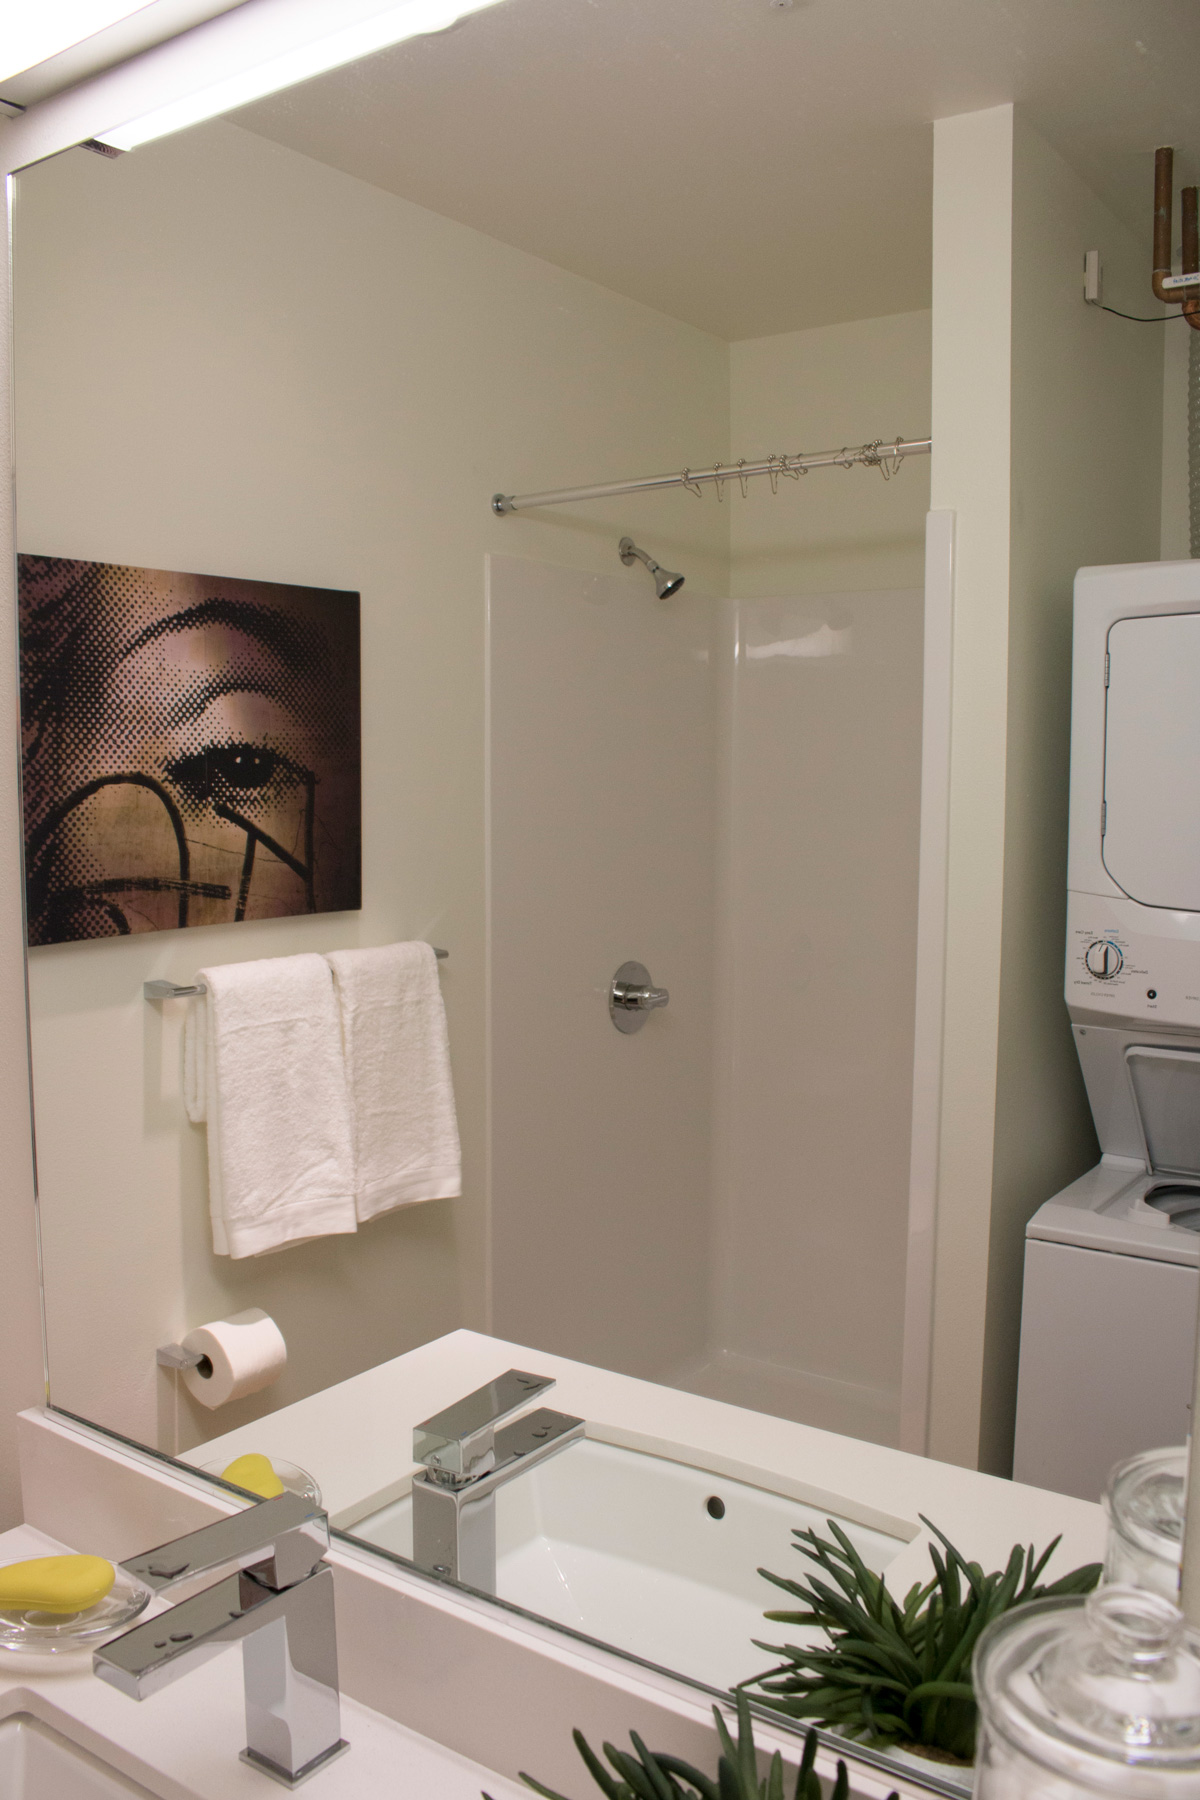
<point>1108,1322</point>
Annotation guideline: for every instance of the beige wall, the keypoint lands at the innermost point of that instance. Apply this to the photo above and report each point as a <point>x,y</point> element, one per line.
<point>815,390</point>
<point>1047,433</point>
<point>234,359</point>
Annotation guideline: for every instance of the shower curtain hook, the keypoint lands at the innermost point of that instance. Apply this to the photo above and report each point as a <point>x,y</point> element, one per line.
<point>693,487</point>
<point>773,474</point>
<point>742,477</point>
<point>718,481</point>
<point>785,464</point>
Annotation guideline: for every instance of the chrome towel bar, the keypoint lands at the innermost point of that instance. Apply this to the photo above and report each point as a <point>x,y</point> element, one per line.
<point>171,990</point>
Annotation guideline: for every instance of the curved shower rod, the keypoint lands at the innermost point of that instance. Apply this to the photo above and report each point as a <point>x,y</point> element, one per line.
<point>886,457</point>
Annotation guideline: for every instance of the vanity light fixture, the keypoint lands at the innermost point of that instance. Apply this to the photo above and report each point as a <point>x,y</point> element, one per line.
<point>340,43</point>
<point>33,34</point>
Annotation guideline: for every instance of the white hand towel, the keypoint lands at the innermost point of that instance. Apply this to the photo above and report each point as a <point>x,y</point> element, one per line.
<point>262,1066</point>
<point>397,1053</point>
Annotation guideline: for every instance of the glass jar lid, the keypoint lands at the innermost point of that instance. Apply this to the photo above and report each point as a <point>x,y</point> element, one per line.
<point>1105,1690</point>
<point>1145,1501</point>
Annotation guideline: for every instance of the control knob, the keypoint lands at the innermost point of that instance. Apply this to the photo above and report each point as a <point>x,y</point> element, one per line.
<point>1103,959</point>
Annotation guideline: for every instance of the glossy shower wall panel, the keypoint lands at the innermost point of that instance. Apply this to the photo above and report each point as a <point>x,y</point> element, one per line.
<point>819,941</point>
<point>602,785</point>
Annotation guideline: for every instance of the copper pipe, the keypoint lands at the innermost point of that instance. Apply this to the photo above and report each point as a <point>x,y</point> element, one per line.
<point>1164,206</point>
<point>1191,252</point>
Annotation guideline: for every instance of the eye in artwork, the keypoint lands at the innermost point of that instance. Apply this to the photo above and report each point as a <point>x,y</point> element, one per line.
<point>191,749</point>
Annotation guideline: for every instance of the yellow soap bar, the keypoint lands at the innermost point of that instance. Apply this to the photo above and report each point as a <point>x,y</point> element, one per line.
<point>60,1584</point>
<point>255,1474</point>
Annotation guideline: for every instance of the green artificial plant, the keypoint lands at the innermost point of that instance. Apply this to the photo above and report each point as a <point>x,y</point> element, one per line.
<point>893,1673</point>
<point>653,1775</point>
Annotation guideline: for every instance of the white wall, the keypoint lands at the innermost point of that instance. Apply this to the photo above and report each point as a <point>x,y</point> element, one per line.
<point>603,772</point>
<point>815,1007</point>
<point>816,390</point>
<point>819,731</point>
<point>233,359</point>
<point>1047,435</point>
<point>602,802</point>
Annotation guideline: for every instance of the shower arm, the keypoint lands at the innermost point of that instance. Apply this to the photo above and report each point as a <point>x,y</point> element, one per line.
<point>881,455</point>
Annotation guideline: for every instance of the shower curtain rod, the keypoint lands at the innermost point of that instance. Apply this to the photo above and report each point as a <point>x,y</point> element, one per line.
<point>886,457</point>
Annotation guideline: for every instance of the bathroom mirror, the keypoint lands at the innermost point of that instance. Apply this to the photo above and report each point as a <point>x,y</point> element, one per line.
<point>300,347</point>
<point>297,351</point>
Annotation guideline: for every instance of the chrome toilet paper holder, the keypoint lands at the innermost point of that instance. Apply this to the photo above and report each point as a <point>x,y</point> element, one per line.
<point>174,1356</point>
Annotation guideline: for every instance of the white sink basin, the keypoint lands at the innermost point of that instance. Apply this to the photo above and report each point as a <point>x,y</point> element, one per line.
<point>624,1546</point>
<point>38,1763</point>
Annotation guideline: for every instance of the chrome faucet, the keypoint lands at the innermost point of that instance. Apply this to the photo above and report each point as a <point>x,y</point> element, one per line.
<point>278,1601</point>
<point>466,1459</point>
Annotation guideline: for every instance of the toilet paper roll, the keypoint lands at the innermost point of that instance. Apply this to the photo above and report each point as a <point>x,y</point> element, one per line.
<point>246,1352</point>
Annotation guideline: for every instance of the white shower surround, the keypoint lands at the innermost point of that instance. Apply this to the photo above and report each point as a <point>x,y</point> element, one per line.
<point>729,791</point>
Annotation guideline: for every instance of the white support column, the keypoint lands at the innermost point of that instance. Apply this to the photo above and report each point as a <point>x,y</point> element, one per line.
<point>972,336</point>
<point>937,702</point>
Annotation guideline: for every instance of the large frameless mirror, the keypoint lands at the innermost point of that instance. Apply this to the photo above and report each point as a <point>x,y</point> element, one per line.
<point>294,687</point>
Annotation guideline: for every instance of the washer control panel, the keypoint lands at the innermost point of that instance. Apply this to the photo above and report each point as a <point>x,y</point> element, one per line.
<point>1116,968</point>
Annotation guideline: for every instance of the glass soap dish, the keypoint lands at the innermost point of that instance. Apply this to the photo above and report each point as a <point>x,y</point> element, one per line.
<point>295,1479</point>
<point>36,1632</point>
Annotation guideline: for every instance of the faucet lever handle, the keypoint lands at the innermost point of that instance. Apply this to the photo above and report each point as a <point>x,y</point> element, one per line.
<point>282,1539</point>
<point>458,1444</point>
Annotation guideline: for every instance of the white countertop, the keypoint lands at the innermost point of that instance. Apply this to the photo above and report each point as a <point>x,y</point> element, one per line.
<point>184,1742</point>
<point>356,1439</point>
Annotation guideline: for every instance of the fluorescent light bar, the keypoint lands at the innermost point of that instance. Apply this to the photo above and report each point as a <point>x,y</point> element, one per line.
<point>411,18</point>
<point>35,30</point>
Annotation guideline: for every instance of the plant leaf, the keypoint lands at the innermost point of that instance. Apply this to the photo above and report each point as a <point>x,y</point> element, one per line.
<point>887,1670</point>
<point>595,1767</point>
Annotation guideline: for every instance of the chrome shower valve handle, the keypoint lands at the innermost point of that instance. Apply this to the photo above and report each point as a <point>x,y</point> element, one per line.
<point>633,995</point>
<point>639,999</point>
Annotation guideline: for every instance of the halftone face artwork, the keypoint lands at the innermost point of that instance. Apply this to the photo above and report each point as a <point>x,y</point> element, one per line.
<point>191,749</point>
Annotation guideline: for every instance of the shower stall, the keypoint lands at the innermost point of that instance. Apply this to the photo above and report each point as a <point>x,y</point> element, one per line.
<point>728,792</point>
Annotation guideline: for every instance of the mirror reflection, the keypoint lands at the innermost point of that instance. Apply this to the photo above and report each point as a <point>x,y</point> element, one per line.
<point>302,705</point>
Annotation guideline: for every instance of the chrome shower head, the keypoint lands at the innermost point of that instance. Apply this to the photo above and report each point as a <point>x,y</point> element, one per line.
<point>666,582</point>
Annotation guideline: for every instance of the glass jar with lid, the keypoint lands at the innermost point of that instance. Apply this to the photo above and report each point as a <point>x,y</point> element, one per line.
<point>1087,1698</point>
<point>1145,1506</point>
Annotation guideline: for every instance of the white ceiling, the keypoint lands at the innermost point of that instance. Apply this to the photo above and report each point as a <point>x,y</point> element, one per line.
<point>747,166</point>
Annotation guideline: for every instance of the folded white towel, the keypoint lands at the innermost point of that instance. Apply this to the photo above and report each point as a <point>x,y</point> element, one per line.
<point>263,1069</point>
<point>397,1054</point>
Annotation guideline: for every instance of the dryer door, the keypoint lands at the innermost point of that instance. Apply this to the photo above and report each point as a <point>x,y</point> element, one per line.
<point>1151,822</point>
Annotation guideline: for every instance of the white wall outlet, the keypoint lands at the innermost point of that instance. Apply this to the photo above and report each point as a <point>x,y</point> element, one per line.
<point>1093,278</point>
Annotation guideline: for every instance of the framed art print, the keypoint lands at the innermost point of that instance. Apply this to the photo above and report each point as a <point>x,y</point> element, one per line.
<point>191,749</point>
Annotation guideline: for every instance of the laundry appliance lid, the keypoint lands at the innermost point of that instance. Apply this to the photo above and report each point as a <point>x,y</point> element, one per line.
<point>1150,823</point>
<point>1166,1092</point>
